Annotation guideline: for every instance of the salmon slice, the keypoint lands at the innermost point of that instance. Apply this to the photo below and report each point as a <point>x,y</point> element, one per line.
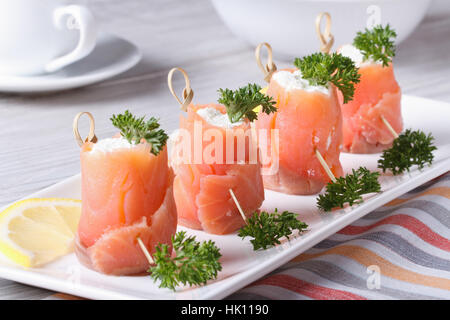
<point>306,121</point>
<point>186,186</point>
<point>126,193</point>
<point>117,252</point>
<point>216,209</point>
<point>201,190</point>
<point>119,188</point>
<point>378,94</point>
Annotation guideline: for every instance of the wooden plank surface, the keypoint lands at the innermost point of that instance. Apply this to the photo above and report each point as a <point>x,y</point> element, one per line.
<point>36,142</point>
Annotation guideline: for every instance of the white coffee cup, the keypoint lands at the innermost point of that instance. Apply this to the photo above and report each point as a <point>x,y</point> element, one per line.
<point>42,36</point>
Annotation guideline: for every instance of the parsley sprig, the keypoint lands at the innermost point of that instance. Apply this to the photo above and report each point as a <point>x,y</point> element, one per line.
<point>134,129</point>
<point>410,148</point>
<point>194,263</point>
<point>349,189</point>
<point>377,44</point>
<point>241,102</point>
<point>267,229</point>
<point>320,69</point>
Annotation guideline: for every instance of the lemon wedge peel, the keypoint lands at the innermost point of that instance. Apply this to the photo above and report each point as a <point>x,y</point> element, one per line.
<point>21,213</point>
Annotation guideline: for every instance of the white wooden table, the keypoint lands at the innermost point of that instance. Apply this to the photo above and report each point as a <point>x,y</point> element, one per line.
<point>37,147</point>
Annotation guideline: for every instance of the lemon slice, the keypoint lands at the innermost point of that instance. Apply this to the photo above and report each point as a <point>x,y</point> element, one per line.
<point>258,108</point>
<point>34,232</point>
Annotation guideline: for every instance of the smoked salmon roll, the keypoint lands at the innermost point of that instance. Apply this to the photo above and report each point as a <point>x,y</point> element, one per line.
<point>222,156</point>
<point>377,94</point>
<point>126,188</point>
<point>308,119</point>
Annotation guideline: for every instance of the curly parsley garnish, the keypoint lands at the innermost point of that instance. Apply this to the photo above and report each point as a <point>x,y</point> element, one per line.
<point>349,189</point>
<point>241,102</point>
<point>194,263</point>
<point>135,129</point>
<point>410,148</point>
<point>377,44</point>
<point>320,69</point>
<point>267,229</point>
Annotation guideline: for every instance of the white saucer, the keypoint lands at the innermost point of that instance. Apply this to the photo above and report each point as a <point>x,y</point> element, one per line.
<point>111,56</point>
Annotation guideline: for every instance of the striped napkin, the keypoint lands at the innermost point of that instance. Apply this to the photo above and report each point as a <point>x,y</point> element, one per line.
<point>400,251</point>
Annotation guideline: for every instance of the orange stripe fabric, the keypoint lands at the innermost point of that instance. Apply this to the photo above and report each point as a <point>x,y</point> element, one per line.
<point>307,289</point>
<point>63,296</point>
<point>438,191</point>
<point>368,258</point>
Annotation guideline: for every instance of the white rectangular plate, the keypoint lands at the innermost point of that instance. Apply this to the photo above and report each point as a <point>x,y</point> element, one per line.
<point>242,265</point>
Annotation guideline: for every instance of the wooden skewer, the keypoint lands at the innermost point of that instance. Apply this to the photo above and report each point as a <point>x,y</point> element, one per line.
<point>325,166</point>
<point>91,136</point>
<point>388,125</point>
<point>188,93</point>
<point>238,205</point>
<point>146,253</point>
<point>270,66</point>
<point>326,39</point>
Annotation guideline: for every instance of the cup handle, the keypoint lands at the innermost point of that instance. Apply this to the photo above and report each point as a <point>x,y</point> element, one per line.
<point>88,35</point>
